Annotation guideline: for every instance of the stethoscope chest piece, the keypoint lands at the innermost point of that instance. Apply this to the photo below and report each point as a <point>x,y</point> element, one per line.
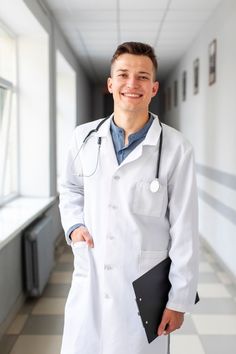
<point>154,186</point>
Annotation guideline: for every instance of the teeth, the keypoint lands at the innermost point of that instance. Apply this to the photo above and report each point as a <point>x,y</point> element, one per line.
<point>131,95</point>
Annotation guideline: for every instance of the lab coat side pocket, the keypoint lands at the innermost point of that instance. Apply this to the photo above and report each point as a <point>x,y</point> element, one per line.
<point>81,259</point>
<point>149,259</point>
<point>148,203</point>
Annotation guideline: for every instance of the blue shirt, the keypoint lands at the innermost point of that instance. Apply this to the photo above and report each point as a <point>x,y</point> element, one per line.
<point>118,138</point>
<point>122,151</point>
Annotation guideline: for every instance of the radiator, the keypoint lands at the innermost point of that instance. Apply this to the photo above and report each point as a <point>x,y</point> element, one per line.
<point>39,255</point>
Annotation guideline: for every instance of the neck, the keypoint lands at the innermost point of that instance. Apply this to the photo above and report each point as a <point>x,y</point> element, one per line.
<point>131,122</point>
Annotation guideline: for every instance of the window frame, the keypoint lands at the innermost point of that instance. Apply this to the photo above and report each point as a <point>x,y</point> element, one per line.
<point>5,84</point>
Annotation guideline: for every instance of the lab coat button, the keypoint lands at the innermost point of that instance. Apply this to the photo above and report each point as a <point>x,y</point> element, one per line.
<point>117,177</point>
<point>106,296</point>
<point>107,267</point>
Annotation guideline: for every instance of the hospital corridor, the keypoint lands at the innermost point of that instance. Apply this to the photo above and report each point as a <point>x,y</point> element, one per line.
<point>59,186</point>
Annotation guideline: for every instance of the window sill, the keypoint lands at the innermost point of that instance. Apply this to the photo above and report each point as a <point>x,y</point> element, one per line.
<point>15,216</point>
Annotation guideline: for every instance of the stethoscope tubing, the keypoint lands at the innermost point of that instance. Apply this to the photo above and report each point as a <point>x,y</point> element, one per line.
<point>156,179</point>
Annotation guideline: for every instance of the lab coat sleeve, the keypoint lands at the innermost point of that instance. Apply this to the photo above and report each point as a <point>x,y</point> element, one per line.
<point>184,248</point>
<point>72,190</point>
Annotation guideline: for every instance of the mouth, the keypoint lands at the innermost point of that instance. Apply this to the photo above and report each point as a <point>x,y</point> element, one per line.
<point>131,95</point>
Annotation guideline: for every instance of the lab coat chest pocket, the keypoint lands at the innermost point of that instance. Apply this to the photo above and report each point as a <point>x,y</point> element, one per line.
<point>149,203</point>
<point>81,259</point>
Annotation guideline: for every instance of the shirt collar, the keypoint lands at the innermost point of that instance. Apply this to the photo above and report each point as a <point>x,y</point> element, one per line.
<point>120,133</point>
<point>151,138</point>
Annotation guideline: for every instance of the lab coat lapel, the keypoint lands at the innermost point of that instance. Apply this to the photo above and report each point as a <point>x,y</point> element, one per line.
<point>151,139</point>
<point>107,148</point>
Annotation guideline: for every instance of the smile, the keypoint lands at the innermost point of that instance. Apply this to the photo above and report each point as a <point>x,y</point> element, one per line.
<point>132,95</point>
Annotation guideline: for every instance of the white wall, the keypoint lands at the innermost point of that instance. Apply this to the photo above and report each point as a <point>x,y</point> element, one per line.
<point>208,121</point>
<point>66,108</point>
<point>34,122</point>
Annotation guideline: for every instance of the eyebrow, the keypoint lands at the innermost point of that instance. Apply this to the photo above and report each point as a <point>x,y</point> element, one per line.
<point>140,72</point>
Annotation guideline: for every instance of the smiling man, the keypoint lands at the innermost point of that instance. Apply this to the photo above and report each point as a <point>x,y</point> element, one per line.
<point>122,215</point>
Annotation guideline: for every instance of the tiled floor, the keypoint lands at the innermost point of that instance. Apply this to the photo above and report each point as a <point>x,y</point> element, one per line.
<point>211,329</point>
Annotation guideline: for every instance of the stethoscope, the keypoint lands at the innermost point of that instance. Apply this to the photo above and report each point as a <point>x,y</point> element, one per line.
<point>154,184</point>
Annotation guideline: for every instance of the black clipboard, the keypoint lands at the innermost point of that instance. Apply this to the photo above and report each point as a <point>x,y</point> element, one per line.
<point>152,290</point>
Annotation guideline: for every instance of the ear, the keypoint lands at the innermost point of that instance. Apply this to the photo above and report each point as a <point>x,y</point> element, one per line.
<point>109,84</point>
<point>155,88</point>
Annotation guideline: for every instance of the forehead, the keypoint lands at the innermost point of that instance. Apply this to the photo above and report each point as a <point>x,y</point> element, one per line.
<point>134,63</point>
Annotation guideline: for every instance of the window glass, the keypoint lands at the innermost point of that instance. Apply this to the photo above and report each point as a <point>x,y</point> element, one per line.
<point>7,56</point>
<point>8,119</point>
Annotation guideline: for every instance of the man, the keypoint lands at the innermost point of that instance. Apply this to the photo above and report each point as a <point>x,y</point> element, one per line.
<point>118,226</point>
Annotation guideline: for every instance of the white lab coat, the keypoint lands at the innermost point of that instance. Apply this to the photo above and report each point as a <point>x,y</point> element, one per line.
<point>133,230</point>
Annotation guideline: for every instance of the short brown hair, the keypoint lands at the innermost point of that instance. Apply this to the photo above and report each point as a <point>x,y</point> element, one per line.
<point>136,48</point>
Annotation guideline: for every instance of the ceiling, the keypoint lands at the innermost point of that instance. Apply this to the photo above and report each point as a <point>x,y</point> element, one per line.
<point>94,28</point>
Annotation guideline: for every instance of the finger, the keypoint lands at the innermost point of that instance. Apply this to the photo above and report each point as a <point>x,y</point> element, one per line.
<point>88,238</point>
<point>172,326</point>
<point>168,329</point>
<point>162,329</point>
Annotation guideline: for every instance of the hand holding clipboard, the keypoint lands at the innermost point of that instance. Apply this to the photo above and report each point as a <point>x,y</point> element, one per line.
<point>151,291</point>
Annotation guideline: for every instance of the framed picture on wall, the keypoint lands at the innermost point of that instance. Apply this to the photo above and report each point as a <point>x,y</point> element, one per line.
<point>196,76</point>
<point>175,93</point>
<point>184,85</point>
<point>212,62</point>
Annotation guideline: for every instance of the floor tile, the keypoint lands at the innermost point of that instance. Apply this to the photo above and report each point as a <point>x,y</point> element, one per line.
<point>66,258</point>
<point>215,324</point>
<point>18,324</point>
<point>215,306</point>
<point>216,290</point>
<point>224,278</point>
<point>219,344</point>
<point>179,343</point>
<point>63,267</point>
<point>28,344</point>
<point>28,306</point>
<point>208,278</point>
<point>44,324</point>
<point>68,250</point>
<point>6,343</point>
<point>56,290</point>
<point>60,278</point>
<point>49,306</point>
<point>205,267</point>
<point>209,258</point>
<point>231,289</point>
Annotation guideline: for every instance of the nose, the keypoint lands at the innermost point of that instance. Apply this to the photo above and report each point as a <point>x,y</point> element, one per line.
<point>132,82</point>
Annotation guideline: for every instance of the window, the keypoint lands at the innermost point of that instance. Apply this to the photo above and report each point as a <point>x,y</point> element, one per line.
<point>8,121</point>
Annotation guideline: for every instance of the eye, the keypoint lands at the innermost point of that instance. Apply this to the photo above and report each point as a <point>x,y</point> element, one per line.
<point>123,75</point>
<point>143,77</point>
